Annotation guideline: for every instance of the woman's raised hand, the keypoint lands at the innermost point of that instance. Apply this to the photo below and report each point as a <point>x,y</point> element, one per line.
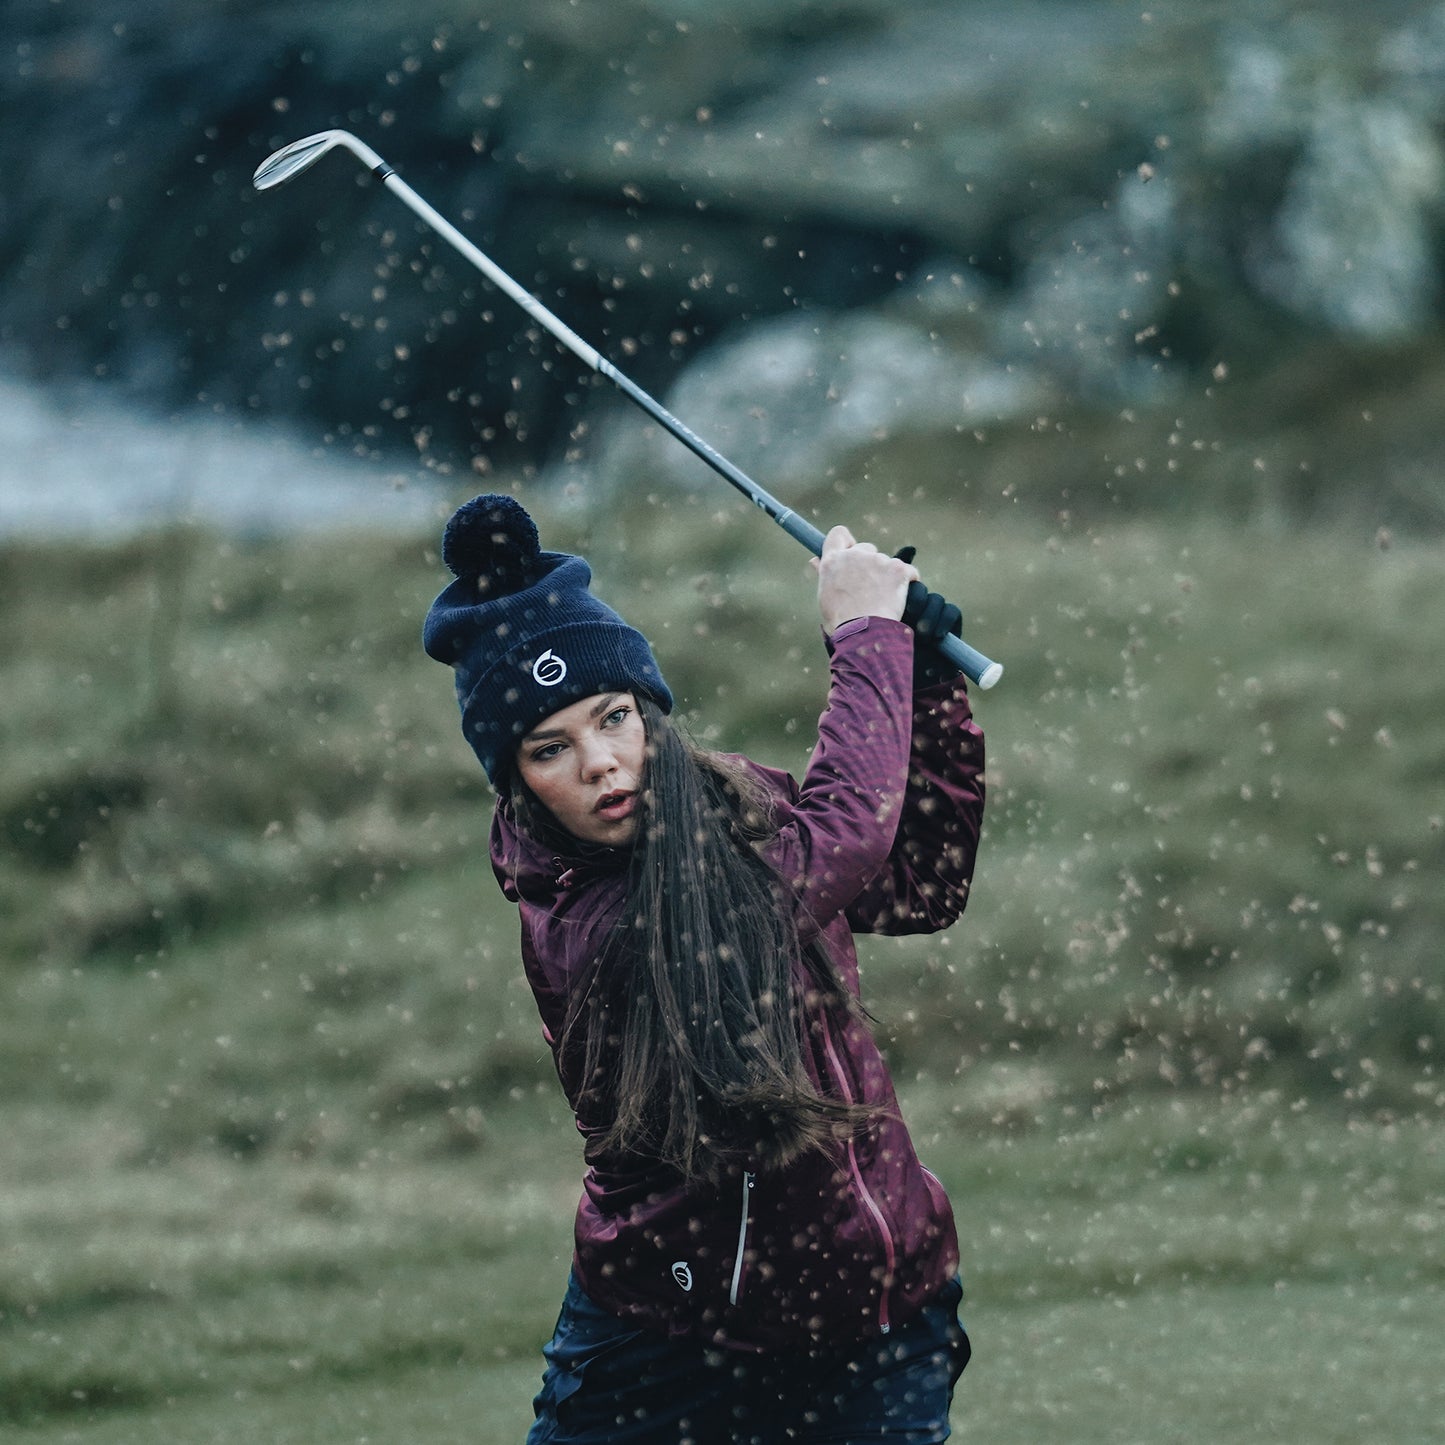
<point>855,579</point>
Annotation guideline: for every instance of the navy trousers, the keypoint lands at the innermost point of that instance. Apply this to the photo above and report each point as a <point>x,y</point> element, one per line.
<point>609,1384</point>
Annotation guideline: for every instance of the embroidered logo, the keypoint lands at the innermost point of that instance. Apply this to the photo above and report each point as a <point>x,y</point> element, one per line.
<point>683,1275</point>
<point>549,669</point>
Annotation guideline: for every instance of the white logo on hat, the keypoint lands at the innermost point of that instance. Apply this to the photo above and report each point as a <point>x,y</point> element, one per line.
<point>683,1275</point>
<point>549,669</point>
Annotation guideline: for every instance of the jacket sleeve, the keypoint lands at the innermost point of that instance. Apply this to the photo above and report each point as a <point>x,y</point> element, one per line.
<point>838,827</point>
<point>924,885</point>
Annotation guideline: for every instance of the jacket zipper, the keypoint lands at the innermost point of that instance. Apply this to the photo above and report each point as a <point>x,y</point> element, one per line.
<point>736,1287</point>
<point>890,1257</point>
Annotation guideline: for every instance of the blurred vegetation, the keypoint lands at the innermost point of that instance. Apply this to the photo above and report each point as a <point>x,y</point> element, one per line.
<point>1174,1270</point>
<point>282,1119</point>
<point>1213,837</point>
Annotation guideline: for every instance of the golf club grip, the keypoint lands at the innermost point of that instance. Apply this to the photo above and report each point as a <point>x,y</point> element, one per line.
<point>974,665</point>
<point>970,661</point>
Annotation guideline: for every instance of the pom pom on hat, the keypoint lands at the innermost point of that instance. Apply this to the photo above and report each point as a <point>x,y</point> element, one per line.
<point>494,541</point>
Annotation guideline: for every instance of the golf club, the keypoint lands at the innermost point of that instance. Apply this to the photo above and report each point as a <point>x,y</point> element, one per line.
<point>288,162</point>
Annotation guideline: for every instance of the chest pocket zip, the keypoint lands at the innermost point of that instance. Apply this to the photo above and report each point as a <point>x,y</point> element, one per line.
<point>736,1287</point>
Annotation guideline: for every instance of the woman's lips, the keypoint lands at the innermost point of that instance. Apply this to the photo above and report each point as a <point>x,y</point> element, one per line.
<point>616,806</point>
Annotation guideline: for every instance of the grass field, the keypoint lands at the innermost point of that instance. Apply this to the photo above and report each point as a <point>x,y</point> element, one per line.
<point>1164,1273</point>
<point>284,1158</point>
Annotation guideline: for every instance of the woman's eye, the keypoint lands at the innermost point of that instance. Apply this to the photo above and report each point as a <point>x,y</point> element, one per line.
<point>615,716</point>
<point>546,754</point>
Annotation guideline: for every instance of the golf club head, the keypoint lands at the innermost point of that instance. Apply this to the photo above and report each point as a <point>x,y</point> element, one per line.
<point>280,166</point>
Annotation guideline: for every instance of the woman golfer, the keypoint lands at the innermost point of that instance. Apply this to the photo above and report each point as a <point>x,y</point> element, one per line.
<point>760,1256</point>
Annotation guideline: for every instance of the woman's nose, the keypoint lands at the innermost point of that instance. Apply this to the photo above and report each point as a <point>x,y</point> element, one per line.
<point>596,759</point>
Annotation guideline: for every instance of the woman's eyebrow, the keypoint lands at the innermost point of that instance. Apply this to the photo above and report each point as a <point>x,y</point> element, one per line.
<point>538,734</point>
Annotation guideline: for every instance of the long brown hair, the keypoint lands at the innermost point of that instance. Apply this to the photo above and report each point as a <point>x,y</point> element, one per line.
<point>688,1042</point>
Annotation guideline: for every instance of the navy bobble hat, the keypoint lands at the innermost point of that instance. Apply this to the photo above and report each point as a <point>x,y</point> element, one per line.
<point>523,633</point>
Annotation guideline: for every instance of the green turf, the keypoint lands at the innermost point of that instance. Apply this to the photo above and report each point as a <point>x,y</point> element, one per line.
<point>284,1157</point>
<point>1235,1363</point>
<point>1151,1274</point>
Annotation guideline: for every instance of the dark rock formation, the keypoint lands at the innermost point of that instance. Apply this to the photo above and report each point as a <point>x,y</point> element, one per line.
<point>952,210</point>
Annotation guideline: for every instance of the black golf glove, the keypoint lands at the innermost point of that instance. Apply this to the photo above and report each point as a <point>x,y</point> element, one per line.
<point>930,615</point>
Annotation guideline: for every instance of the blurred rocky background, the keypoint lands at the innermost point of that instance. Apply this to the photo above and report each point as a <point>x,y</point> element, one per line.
<point>1201,240</point>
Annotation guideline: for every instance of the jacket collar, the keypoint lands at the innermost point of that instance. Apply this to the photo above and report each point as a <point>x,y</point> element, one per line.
<point>529,869</point>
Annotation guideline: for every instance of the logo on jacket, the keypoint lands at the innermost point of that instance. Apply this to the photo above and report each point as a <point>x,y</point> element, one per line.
<point>549,669</point>
<point>682,1274</point>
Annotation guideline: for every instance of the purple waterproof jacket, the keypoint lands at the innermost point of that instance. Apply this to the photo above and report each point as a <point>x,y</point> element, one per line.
<point>879,838</point>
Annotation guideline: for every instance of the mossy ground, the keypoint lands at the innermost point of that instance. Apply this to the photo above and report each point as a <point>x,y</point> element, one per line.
<point>285,1158</point>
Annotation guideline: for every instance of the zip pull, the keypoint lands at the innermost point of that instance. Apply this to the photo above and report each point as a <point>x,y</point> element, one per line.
<point>749,1179</point>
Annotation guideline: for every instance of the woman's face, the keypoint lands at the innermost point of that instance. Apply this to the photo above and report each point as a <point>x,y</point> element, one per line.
<point>584,765</point>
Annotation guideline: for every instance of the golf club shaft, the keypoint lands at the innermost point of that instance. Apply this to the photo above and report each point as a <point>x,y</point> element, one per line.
<point>978,668</point>
<point>795,526</point>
